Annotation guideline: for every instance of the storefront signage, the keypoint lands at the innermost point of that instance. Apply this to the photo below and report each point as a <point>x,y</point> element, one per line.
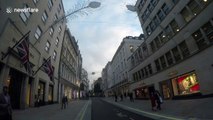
<point>173,73</point>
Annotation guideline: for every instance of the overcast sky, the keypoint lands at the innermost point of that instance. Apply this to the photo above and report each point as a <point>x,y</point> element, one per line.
<point>100,33</point>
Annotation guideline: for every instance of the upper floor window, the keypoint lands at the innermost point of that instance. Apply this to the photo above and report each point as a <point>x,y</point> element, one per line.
<point>56,41</point>
<point>201,43</point>
<point>59,29</point>
<point>50,4</point>
<point>163,61</point>
<point>165,9</point>
<point>168,32</point>
<point>184,49</point>
<point>176,54</point>
<point>55,17</point>
<point>157,64</point>
<point>169,58</point>
<point>208,30</point>
<point>54,55</point>
<point>186,14</point>
<point>194,7</point>
<point>174,26</point>
<point>38,33</point>
<point>47,47</point>
<point>25,15</point>
<point>160,15</point>
<point>51,31</point>
<point>150,7</point>
<point>35,1</point>
<point>154,2</point>
<point>44,16</point>
<point>150,69</point>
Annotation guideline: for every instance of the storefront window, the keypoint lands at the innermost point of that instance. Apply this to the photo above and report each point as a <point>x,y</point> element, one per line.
<point>142,93</point>
<point>185,84</point>
<point>50,95</point>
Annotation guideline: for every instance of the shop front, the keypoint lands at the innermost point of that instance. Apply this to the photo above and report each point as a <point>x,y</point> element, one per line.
<point>180,86</point>
<point>143,92</point>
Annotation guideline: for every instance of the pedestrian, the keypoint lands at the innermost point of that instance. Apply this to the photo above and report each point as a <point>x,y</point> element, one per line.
<point>159,99</point>
<point>153,101</point>
<point>5,105</point>
<point>131,96</point>
<point>116,97</point>
<point>121,96</point>
<point>63,105</point>
<point>66,99</point>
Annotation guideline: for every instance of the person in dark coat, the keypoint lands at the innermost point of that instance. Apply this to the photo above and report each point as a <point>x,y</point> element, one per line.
<point>158,99</point>
<point>116,97</point>
<point>153,101</point>
<point>5,105</point>
<point>64,100</point>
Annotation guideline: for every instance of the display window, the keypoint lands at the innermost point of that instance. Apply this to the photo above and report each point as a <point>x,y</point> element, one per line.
<point>186,84</point>
<point>142,92</point>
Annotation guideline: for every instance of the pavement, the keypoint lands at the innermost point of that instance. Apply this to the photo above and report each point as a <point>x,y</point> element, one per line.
<point>76,110</point>
<point>193,109</point>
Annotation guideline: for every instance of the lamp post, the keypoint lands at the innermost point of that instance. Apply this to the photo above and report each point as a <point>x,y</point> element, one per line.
<point>92,4</point>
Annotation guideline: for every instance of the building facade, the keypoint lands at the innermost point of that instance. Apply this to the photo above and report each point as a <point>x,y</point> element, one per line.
<point>84,86</point>
<point>69,66</point>
<point>117,73</point>
<point>178,58</point>
<point>45,42</point>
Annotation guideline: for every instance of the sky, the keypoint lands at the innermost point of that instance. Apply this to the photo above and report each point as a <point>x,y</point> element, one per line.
<point>100,31</point>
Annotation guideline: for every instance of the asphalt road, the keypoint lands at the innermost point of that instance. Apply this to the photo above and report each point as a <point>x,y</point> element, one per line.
<point>102,110</point>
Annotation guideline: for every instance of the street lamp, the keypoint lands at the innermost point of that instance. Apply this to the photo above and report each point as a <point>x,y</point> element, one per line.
<point>92,4</point>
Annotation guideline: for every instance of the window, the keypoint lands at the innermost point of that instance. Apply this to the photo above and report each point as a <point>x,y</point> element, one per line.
<point>35,1</point>
<point>176,54</point>
<point>184,49</point>
<point>25,15</point>
<point>44,16</point>
<point>50,4</point>
<point>147,12</point>
<point>208,30</point>
<point>150,69</point>
<point>169,58</point>
<point>157,64</point>
<point>163,37</point>
<point>59,29</point>
<point>38,33</point>
<point>152,45</point>
<point>156,21</point>
<point>163,62</point>
<point>174,26</point>
<point>142,73</point>
<point>201,43</point>
<point>152,25</point>
<point>160,15</point>
<point>54,55</point>
<point>56,41</point>
<point>186,14</point>
<point>154,2</point>
<point>168,32</point>
<point>165,9</point>
<point>175,1</point>
<point>150,7</point>
<point>194,7</point>
<point>144,17</point>
<point>139,75</point>
<point>51,31</point>
<point>148,30</point>
<point>158,43</point>
<point>47,47</point>
<point>55,17</point>
<point>146,71</point>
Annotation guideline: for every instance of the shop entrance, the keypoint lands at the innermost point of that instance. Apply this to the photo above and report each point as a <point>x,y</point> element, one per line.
<point>14,81</point>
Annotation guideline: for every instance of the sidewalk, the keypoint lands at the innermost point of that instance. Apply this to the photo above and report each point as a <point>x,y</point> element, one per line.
<point>195,109</point>
<point>76,110</point>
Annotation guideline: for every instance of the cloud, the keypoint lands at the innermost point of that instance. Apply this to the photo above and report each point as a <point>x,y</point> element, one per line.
<point>100,33</point>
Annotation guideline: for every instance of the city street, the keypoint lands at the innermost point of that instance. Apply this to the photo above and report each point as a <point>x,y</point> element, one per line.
<point>102,110</point>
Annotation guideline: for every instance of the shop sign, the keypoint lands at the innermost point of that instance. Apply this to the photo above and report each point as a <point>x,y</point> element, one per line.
<point>173,73</point>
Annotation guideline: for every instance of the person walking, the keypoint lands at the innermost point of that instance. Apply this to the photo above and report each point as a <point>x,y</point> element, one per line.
<point>131,96</point>
<point>153,101</point>
<point>63,105</point>
<point>5,105</point>
<point>116,97</point>
<point>121,96</point>
<point>158,98</point>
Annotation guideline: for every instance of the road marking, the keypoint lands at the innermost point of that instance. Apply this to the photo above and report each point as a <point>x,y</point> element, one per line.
<point>148,113</point>
<point>82,112</point>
